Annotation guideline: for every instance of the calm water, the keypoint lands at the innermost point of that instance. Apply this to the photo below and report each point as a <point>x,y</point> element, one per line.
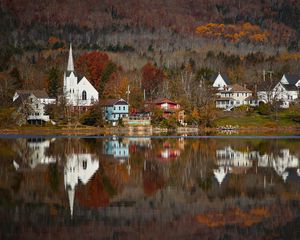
<point>149,188</point>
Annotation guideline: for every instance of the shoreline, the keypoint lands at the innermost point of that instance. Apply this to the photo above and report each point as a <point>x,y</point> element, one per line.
<point>155,131</point>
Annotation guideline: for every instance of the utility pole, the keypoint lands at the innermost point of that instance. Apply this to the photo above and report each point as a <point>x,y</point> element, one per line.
<point>128,93</point>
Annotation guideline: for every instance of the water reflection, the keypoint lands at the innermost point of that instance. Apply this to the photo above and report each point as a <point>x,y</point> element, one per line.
<point>142,181</point>
<point>78,167</point>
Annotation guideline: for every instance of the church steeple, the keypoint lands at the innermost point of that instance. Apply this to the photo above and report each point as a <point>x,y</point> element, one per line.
<point>70,61</point>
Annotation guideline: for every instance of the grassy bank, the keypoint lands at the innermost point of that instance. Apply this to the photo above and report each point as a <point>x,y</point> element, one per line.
<point>289,118</point>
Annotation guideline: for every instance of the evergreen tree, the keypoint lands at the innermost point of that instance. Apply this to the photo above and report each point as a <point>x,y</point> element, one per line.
<point>53,82</point>
<point>108,70</point>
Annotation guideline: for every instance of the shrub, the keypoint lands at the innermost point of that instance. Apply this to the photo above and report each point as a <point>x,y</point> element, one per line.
<point>93,117</point>
<point>264,109</point>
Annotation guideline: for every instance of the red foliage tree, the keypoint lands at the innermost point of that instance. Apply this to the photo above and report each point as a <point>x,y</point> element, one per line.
<point>92,65</point>
<point>152,78</point>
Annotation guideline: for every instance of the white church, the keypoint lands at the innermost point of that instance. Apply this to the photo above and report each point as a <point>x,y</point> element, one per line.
<point>78,91</point>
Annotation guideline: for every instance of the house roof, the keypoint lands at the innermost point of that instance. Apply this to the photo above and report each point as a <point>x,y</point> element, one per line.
<point>236,88</point>
<point>164,100</point>
<point>225,99</point>
<point>22,97</point>
<point>266,85</point>
<point>292,78</point>
<point>113,101</point>
<point>224,76</point>
<point>290,87</point>
<point>37,93</point>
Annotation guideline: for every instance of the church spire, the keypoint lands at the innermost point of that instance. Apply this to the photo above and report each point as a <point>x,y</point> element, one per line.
<point>70,61</point>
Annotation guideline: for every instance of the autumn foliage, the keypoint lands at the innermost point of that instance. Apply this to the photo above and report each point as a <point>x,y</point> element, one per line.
<point>152,78</point>
<point>93,195</point>
<point>233,216</point>
<point>92,66</point>
<point>233,32</point>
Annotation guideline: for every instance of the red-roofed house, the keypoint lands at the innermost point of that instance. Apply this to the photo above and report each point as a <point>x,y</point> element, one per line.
<point>168,107</point>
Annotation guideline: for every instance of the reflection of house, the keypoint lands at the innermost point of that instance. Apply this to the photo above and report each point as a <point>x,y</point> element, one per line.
<point>32,103</point>
<point>79,167</point>
<point>280,163</point>
<point>78,90</point>
<point>118,148</point>
<point>37,153</point>
<point>140,141</point>
<point>234,96</point>
<point>232,158</point>
<point>232,161</point>
<point>221,173</point>
<point>114,109</point>
<point>169,151</point>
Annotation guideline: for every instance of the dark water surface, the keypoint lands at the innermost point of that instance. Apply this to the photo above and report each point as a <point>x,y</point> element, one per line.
<point>149,188</point>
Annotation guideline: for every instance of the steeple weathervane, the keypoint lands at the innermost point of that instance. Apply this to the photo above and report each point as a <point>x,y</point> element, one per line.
<point>70,61</point>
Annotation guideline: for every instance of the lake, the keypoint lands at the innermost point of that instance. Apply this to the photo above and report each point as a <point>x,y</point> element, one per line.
<point>54,187</point>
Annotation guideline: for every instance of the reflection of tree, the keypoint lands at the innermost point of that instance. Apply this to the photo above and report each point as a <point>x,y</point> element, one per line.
<point>96,192</point>
<point>153,179</point>
<point>53,174</point>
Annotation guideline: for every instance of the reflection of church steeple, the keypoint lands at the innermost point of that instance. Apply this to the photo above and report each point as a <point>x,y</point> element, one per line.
<point>71,196</point>
<point>79,167</point>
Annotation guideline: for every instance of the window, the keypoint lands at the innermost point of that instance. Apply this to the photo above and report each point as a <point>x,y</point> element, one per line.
<point>119,108</point>
<point>84,164</point>
<point>92,99</point>
<point>83,95</point>
<point>37,106</point>
<point>114,108</point>
<point>124,108</point>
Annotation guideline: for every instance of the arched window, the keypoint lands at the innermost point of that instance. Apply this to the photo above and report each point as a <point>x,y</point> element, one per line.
<point>83,95</point>
<point>84,164</point>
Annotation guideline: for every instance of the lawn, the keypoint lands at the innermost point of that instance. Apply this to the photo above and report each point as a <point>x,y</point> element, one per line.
<point>284,118</point>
